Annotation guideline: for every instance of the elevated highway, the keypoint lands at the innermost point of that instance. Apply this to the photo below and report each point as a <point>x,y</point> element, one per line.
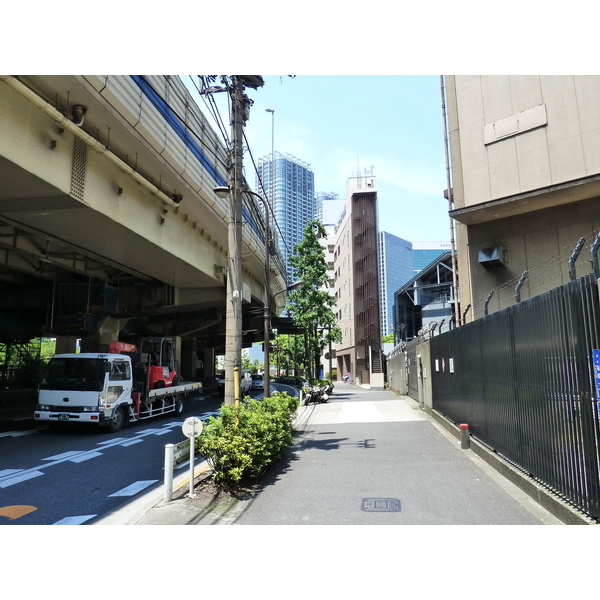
<point>109,226</point>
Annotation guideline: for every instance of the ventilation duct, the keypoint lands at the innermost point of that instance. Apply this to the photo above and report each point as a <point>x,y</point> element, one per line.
<point>493,257</point>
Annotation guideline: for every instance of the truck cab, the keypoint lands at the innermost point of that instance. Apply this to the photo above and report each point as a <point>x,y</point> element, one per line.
<point>86,388</point>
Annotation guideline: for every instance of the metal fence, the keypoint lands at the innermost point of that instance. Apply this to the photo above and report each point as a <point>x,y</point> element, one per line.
<point>524,380</point>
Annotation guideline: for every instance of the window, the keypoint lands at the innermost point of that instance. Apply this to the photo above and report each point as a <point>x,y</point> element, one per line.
<point>120,371</point>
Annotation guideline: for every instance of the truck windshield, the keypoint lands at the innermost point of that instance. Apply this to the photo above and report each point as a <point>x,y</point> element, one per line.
<point>86,374</point>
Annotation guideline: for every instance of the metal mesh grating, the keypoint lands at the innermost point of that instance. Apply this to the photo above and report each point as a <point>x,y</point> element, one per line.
<point>40,204</point>
<point>79,168</point>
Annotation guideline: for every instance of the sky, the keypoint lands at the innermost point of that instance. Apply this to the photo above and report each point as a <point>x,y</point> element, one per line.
<point>344,125</point>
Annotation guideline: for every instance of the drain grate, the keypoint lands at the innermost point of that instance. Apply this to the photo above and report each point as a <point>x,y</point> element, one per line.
<point>381,505</point>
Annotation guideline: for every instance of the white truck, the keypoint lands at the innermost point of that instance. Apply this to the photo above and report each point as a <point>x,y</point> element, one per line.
<point>107,389</point>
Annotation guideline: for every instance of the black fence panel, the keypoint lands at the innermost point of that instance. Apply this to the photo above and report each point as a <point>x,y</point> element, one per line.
<point>523,379</point>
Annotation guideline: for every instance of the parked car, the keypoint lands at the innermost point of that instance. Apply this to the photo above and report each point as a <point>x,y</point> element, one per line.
<point>245,382</point>
<point>258,382</point>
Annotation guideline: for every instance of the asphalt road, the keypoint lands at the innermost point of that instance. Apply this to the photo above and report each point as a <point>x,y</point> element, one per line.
<point>77,475</point>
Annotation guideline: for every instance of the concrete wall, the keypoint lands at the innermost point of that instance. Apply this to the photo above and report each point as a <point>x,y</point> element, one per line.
<point>424,369</point>
<point>397,373</point>
<point>520,133</point>
<point>525,154</point>
<point>540,243</point>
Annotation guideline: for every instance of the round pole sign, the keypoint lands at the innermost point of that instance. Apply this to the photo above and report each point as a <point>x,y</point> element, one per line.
<point>192,427</point>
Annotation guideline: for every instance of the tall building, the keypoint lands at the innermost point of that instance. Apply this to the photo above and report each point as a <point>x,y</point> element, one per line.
<point>396,267</point>
<point>356,285</point>
<point>329,208</point>
<point>424,253</point>
<point>289,186</point>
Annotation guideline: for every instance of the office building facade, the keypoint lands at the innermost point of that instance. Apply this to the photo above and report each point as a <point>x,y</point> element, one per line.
<point>424,253</point>
<point>356,285</point>
<point>396,267</point>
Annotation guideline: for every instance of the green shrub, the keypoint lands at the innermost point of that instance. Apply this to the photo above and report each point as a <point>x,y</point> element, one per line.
<point>241,443</point>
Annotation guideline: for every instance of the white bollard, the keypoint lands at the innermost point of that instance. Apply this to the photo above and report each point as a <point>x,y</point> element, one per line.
<point>192,445</point>
<point>169,449</point>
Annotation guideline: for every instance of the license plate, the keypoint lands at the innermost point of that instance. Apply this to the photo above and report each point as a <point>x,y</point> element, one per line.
<point>63,417</point>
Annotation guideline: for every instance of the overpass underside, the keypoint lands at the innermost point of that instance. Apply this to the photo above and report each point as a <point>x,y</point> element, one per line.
<point>109,226</point>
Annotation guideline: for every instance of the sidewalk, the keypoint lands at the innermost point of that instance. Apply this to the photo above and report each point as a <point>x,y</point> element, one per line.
<point>365,457</point>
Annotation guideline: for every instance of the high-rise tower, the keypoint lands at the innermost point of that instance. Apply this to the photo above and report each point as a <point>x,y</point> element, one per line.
<point>289,185</point>
<point>396,267</point>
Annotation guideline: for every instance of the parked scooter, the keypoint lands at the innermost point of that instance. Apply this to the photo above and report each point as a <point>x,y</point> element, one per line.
<point>322,394</point>
<point>308,394</point>
<point>315,393</point>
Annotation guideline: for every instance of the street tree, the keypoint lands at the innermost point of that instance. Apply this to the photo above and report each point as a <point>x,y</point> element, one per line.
<point>311,305</point>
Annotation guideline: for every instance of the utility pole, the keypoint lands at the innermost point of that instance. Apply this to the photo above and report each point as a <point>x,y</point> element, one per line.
<point>233,323</point>
<point>240,110</point>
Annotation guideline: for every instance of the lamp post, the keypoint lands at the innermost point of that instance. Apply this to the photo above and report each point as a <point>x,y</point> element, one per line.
<point>224,192</point>
<point>272,163</point>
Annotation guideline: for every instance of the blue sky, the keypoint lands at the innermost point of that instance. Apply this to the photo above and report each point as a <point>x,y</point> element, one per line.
<point>344,124</point>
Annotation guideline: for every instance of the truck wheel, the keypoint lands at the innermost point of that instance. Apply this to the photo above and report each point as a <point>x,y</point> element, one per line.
<point>118,420</point>
<point>179,406</point>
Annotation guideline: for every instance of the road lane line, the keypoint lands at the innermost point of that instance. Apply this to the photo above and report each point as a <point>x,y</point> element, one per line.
<point>134,488</point>
<point>10,477</point>
<point>74,520</point>
<point>85,456</point>
<point>19,478</point>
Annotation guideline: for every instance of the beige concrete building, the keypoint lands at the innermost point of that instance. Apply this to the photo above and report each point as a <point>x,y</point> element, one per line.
<point>525,167</point>
<point>356,285</point>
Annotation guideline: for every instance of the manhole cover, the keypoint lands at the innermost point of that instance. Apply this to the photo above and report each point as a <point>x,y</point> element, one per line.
<point>381,505</point>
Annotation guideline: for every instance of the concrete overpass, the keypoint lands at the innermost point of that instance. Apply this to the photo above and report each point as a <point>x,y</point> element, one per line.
<point>109,226</point>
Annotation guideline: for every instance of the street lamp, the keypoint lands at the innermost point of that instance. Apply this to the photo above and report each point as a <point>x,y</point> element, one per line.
<point>272,162</point>
<point>223,192</point>
<point>289,288</point>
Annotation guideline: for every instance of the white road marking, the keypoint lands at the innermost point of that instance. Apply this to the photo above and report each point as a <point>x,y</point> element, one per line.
<point>18,433</point>
<point>372,411</point>
<point>64,455</point>
<point>74,520</point>
<point>7,472</point>
<point>11,480</point>
<point>131,442</point>
<point>85,456</point>
<point>12,476</point>
<point>134,488</point>
<point>112,441</point>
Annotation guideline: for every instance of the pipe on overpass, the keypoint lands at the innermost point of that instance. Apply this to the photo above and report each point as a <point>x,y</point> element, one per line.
<point>76,130</point>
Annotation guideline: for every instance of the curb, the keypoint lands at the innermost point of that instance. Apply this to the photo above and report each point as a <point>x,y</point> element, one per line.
<point>133,512</point>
